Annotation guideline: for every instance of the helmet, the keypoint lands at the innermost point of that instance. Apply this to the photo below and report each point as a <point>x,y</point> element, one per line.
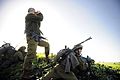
<point>31,9</point>
<point>78,46</point>
<point>22,48</point>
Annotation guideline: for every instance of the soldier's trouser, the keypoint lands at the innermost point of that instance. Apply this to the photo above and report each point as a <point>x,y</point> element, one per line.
<point>31,55</point>
<point>46,46</point>
<point>59,73</point>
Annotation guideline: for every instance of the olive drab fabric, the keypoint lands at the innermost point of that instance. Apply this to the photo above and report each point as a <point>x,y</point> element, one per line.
<point>30,56</point>
<point>63,70</point>
<point>82,71</point>
<point>46,45</point>
<point>20,54</point>
<point>32,25</point>
<point>69,60</point>
<point>83,62</point>
<point>58,73</point>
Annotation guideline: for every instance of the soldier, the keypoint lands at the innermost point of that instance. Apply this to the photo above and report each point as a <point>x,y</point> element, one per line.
<point>82,70</point>
<point>6,54</point>
<point>33,36</point>
<point>20,54</point>
<point>67,61</point>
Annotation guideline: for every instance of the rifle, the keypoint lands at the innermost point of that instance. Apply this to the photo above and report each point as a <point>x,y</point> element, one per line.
<point>37,37</point>
<point>81,43</point>
<point>65,53</point>
<point>84,41</point>
<point>67,50</point>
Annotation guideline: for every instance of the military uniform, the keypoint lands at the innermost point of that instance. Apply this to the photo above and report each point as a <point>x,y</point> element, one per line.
<point>63,70</point>
<point>33,22</point>
<point>81,71</point>
<point>20,54</point>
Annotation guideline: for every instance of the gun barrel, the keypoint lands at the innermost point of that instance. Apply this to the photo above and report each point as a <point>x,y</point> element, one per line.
<point>4,42</point>
<point>82,42</point>
<point>85,40</point>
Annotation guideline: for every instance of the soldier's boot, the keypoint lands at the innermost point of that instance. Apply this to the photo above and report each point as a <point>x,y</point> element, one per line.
<point>47,53</point>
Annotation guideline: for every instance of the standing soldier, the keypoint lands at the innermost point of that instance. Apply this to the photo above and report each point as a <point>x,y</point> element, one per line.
<point>33,36</point>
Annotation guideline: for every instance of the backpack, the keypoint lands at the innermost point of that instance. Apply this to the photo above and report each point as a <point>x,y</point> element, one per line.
<point>62,54</point>
<point>6,54</point>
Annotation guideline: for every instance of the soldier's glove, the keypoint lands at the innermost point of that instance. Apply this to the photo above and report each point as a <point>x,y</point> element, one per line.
<point>38,12</point>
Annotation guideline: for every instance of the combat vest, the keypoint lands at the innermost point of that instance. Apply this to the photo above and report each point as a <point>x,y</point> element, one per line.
<point>83,63</point>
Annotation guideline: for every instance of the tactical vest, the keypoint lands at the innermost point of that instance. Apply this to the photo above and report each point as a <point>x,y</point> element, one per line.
<point>83,63</point>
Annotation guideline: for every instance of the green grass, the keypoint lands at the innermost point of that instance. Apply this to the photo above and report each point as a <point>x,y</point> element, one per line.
<point>114,65</point>
<point>42,55</point>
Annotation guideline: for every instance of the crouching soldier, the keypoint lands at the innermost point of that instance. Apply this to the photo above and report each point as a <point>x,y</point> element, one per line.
<point>20,54</point>
<point>82,71</point>
<point>67,61</point>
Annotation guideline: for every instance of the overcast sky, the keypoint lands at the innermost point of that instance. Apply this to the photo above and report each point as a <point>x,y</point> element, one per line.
<point>67,22</point>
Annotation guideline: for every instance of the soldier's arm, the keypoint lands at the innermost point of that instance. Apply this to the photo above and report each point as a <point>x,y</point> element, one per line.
<point>34,17</point>
<point>20,56</point>
<point>40,15</point>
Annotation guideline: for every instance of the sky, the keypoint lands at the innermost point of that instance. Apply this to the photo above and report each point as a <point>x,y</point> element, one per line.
<point>67,23</point>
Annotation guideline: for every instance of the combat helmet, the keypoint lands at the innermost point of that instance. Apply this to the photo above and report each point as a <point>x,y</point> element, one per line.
<point>22,48</point>
<point>78,46</point>
<point>31,9</point>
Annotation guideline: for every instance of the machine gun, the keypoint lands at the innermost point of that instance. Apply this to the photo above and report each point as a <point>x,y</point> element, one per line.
<point>61,55</point>
<point>85,40</point>
<point>66,51</point>
<point>81,43</point>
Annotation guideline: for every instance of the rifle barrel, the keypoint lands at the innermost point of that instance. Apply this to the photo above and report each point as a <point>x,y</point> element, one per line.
<point>85,40</point>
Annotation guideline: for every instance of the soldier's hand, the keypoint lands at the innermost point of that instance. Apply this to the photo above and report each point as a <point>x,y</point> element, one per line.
<point>38,12</point>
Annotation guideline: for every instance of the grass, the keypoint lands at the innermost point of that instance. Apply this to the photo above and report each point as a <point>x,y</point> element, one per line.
<point>42,55</point>
<point>114,65</point>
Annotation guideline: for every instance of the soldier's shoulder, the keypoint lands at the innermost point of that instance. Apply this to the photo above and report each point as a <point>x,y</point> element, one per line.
<point>17,53</point>
<point>28,15</point>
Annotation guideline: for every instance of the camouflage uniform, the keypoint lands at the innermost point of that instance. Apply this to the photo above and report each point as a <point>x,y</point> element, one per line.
<point>33,22</point>
<point>81,71</point>
<point>20,54</point>
<point>63,70</point>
